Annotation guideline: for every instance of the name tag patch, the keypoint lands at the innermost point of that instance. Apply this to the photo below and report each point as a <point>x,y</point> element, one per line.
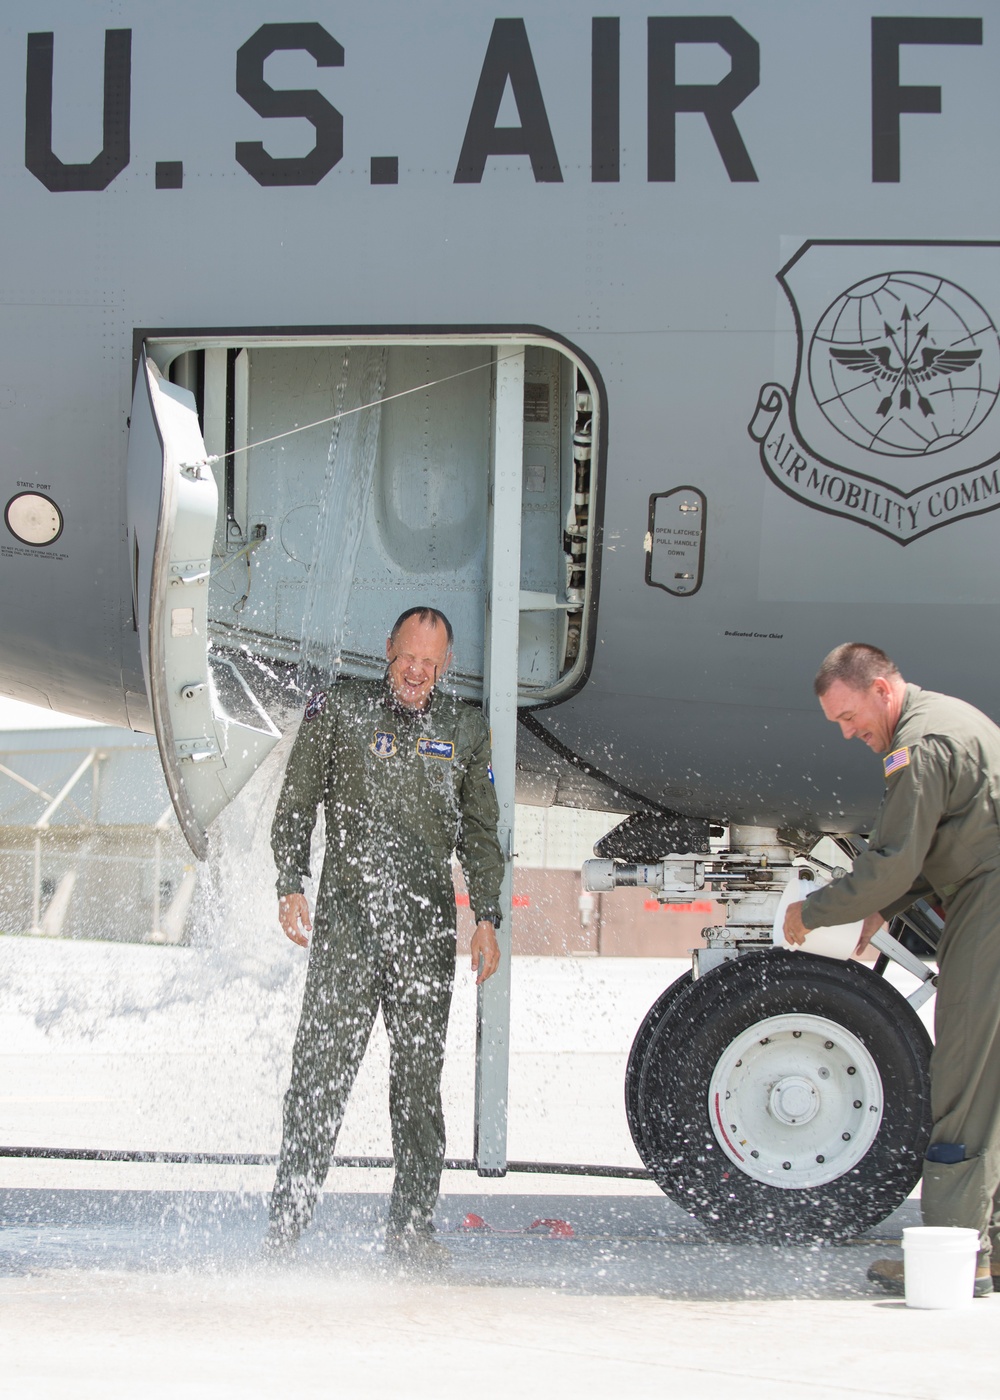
<point>896,760</point>
<point>384,744</point>
<point>435,748</point>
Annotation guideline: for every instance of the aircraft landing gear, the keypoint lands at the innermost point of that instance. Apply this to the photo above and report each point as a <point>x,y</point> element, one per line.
<point>782,1096</point>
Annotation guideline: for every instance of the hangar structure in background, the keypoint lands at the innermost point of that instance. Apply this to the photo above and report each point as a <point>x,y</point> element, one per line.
<point>89,845</point>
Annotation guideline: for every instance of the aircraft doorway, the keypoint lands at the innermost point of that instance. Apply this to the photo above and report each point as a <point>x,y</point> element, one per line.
<point>292,425</point>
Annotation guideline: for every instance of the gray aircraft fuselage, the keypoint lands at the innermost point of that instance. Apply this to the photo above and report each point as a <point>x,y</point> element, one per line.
<point>765,242</point>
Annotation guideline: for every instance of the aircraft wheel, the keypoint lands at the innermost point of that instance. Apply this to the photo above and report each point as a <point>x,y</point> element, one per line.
<point>633,1070</point>
<point>785,1096</point>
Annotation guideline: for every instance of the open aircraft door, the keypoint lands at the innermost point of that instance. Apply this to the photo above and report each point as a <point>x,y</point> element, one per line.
<point>460,468</point>
<point>208,750</point>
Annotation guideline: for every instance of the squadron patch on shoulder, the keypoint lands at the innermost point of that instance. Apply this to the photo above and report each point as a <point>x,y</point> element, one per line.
<point>489,774</point>
<point>315,705</point>
<point>435,748</point>
<point>899,758</point>
<point>384,744</point>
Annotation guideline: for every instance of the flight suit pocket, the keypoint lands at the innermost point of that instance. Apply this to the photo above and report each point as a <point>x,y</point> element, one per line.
<point>955,1194</point>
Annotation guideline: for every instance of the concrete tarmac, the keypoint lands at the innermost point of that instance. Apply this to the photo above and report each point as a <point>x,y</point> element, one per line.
<point>160,1294</point>
<point>146,1280</point>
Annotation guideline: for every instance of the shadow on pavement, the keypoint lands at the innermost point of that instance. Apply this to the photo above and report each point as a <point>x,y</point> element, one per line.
<point>602,1245</point>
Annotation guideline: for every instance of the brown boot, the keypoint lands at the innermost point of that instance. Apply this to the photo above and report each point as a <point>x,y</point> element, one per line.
<point>889,1274</point>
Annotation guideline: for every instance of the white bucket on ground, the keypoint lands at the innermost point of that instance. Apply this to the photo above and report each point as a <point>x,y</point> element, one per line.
<point>836,941</point>
<point>940,1265</point>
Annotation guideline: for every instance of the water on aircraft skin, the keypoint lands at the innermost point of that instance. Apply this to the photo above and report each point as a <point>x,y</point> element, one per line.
<point>760,362</point>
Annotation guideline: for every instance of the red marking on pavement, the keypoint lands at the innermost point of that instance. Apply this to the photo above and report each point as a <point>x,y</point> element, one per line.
<point>699,906</point>
<point>521,901</point>
<point>556,1229</point>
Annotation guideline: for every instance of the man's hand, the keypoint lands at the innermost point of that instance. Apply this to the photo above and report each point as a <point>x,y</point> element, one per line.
<point>293,916</point>
<point>869,929</point>
<point>795,930</point>
<point>485,946</point>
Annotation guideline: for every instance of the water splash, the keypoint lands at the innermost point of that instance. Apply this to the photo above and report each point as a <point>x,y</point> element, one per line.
<point>347,490</point>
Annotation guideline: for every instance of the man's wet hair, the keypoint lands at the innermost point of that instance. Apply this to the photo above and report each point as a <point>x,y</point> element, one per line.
<point>856,664</point>
<point>426,615</point>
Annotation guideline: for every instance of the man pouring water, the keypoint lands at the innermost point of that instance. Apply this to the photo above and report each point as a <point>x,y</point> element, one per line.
<point>937,834</point>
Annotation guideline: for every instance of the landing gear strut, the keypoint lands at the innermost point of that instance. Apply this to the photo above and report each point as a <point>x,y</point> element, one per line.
<point>773,1094</point>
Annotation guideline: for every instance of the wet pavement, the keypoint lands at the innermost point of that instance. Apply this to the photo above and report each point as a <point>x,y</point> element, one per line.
<point>590,1245</point>
<point>145,1280</point>
<point>165,1294</point>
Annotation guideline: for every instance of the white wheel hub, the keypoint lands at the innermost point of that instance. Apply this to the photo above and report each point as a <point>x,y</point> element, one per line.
<point>795,1101</point>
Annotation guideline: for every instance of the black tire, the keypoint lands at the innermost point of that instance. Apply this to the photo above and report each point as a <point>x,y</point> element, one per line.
<point>689,1044</point>
<point>633,1070</point>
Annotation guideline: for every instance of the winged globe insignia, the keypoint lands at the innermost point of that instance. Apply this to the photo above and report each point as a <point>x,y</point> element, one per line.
<point>891,417</point>
<point>877,361</point>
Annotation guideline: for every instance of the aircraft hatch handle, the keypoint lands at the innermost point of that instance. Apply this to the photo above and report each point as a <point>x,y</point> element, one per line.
<point>197,471</point>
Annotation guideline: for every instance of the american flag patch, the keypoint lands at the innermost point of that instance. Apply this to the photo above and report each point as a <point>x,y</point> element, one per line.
<point>898,759</point>
<point>315,705</point>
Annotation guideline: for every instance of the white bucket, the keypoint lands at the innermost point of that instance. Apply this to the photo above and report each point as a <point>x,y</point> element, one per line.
<point>940,1265</point>
<point>836,941</point>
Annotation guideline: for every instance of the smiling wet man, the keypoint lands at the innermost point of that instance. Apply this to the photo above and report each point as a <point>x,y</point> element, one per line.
<point>937,834</point>
<point>403,772</point>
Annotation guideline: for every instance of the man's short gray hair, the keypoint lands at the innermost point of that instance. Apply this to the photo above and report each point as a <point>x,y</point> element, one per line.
<point>431,616</point>
<point>856,664</point>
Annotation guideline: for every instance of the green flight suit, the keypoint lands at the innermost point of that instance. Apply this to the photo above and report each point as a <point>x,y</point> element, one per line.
<point>938,834</point>
<point>401,791</point>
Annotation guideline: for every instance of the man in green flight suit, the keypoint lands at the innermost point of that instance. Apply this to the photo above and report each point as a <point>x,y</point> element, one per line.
<point>937,834</point>
<point>403,773</point>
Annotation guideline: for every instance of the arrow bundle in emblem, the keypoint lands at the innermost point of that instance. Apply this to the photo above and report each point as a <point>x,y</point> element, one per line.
<point>878,362</point>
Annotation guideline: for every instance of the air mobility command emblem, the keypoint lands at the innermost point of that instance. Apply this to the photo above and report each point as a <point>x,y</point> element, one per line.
<point>315,706</point>
<point>384,744</point>
<point>891,420</point>
<point>435,748</point>
<point>892,762</point>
